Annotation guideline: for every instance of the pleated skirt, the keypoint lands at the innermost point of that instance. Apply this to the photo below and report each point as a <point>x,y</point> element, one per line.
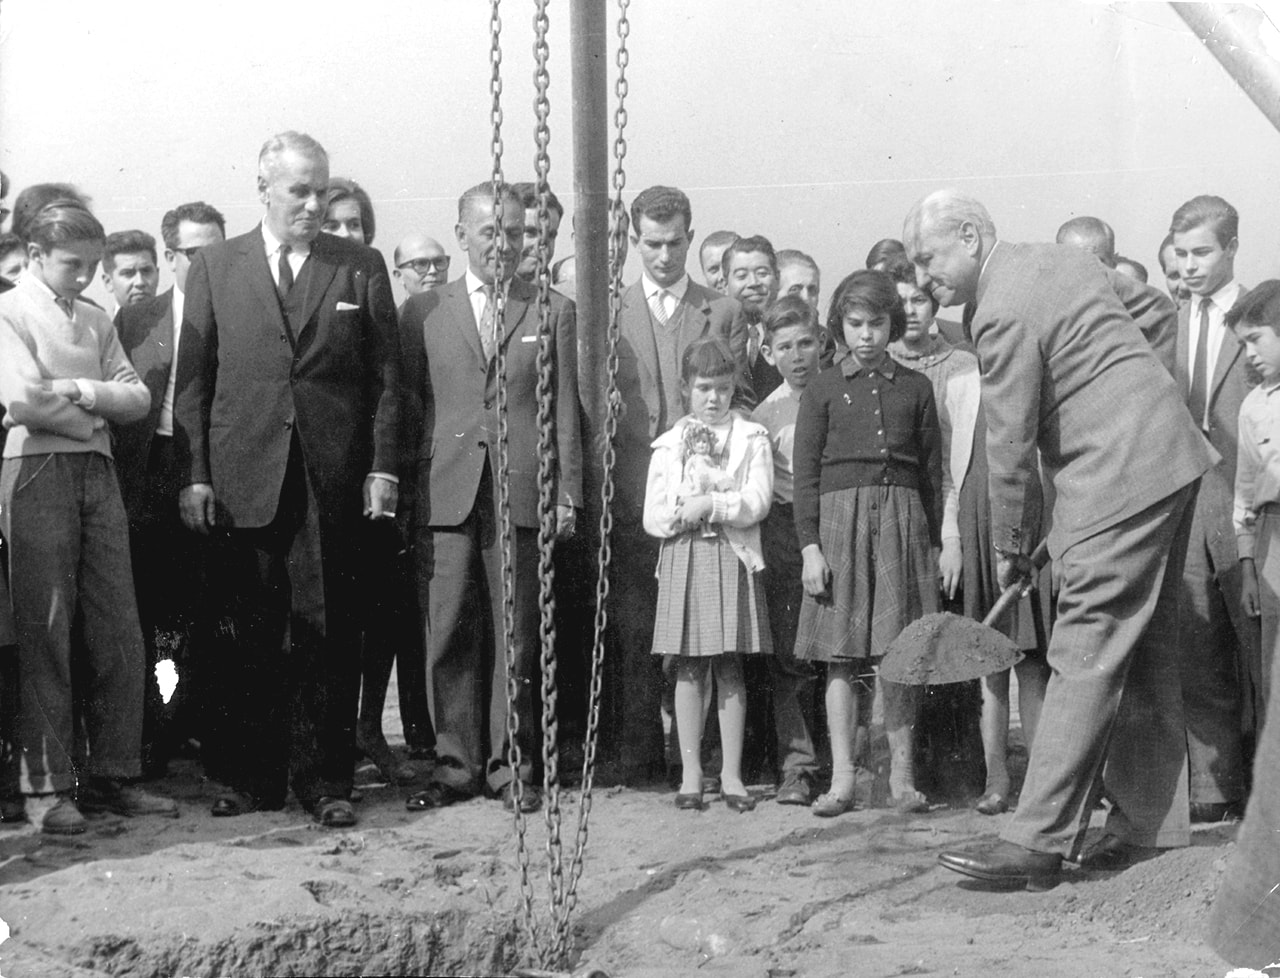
<point>883,575</point>
<point>708,602</point>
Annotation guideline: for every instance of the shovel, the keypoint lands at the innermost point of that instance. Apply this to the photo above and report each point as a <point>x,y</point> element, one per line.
<point>948,648</point>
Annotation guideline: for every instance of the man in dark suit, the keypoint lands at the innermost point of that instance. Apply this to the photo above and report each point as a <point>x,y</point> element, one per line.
<point>661,315</point>
<point>167,563</point>
<point>1063,366</point>
<point>286,424</point>
<point>751,276</point>
<point>450,337</point>
<point>1219,648</point>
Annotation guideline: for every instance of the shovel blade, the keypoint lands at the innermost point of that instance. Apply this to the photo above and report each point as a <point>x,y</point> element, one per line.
<point>946,648</point>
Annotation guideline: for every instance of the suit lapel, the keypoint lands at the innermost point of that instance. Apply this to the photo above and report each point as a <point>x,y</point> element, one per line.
<point>696,317</point>
<point>638,331</point>
<point>516,307</point>
<point>1182,369</point>
<point>463,320</point>
<point>317,278</point>
<point>253,261</point>
<point>1228,353</point>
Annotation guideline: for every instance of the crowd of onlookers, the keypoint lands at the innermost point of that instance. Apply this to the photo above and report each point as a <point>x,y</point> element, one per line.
<point>230,509</point>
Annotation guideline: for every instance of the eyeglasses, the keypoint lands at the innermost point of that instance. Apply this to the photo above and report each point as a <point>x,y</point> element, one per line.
<point>189,252</point>
<point>423,265</point>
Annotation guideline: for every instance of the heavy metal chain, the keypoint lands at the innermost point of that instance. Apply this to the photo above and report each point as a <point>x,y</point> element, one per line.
<point>617,241</point>
<point>547,494</point>
<point>504,472</point>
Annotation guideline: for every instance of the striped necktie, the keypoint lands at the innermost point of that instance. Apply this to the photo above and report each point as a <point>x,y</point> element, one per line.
<point>658,303</point>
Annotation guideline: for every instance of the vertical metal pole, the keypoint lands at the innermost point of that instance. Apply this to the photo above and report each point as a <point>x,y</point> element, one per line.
<point>588,29</point>
<point>1234,34</point>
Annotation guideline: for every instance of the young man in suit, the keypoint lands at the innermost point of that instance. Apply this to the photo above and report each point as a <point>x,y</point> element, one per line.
<point>1063,364</point>
<point>450,337</point>
<point>286,425</point>
<point>751,277</point>
<point>1216,638</point>
<point>167,563</point>
<point>661,315</point>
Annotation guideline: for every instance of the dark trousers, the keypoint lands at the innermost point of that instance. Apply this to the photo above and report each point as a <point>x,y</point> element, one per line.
<point>460,575</point>
<point>68,539</point>
<point>632,731</point>
<point>171,582</point>
<point>392,634</point>
<point>792,682</point>
<point>1214,639</point>
<point>286,671</point>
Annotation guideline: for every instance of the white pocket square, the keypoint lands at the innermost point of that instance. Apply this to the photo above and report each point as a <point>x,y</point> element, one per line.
<point>346,307</point>
<point>528,339</point>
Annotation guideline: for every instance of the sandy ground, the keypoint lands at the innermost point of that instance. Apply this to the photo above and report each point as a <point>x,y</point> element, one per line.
<point>773,894</point>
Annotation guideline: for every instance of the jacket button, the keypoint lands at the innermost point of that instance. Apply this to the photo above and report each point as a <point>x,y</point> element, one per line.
<point>488,405</point>
<point>289,423</point>
<point>284,338</point>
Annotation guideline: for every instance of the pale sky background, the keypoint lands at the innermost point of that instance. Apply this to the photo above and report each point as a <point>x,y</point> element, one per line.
<point>816,122</point>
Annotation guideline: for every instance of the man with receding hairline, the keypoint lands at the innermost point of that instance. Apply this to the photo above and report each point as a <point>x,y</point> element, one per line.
<point>286,423</point>
<point>711,258</point>
<point>421,263</point>
<point>1070,385</point>
<point>1144,303</point>
<point>450,338</point>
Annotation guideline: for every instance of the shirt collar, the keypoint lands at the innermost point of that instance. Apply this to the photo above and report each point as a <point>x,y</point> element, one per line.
<point>850,367</point>
<point>1224,298</point>
<point>652,288</point>
<point>274,244</point>
<point>31,282</point>
<point>474,284</point>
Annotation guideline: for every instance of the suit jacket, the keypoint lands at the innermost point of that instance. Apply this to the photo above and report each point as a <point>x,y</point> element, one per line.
<point>1152,310</point>
<point>146,333</point>
<point>1065,369</point>
<point>451,402</point>
<point>248,381</point>
<point>1227,389</point>
<point>644,415</point>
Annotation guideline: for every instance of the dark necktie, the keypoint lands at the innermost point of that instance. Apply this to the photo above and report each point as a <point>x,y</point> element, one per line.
<point>286,273</point>
<point>66,305</point>
<point>1199,382</point>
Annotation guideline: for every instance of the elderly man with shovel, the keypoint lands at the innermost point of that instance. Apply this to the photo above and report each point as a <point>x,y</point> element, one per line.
<point>1066,371</point>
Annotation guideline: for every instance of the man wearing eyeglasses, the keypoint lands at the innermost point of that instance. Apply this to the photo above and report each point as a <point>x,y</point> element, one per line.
<point>167,563</point>
<point>421,264</point>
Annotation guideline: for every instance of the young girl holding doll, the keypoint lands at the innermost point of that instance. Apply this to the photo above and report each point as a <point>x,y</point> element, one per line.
<point>868,508</point>
<point>710,484</point>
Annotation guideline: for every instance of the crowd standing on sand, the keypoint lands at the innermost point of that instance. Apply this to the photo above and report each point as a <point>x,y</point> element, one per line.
<point>275,477</point>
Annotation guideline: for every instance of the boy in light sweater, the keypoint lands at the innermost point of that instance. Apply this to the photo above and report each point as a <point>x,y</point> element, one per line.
<point>63,376</point>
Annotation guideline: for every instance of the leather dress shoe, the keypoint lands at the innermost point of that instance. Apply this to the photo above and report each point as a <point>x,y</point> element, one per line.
<point>689,801</point>
<point>739,803</point>
<point>234,803</point>
<point>530,797</point>
<point>333,813</point>
<point>1111,854</point>
<point>435,795</point>
<point>107,795</point>
<point>1208,812</point>
<point>1007,864</point>
<point>796,789</point>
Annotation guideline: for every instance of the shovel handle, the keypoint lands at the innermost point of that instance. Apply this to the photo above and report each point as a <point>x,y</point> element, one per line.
<point>1014,591</point>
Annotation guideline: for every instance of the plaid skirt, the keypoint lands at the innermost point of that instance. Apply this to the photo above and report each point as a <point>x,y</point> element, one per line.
<point>883,575</point>
<point>708,602</point>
